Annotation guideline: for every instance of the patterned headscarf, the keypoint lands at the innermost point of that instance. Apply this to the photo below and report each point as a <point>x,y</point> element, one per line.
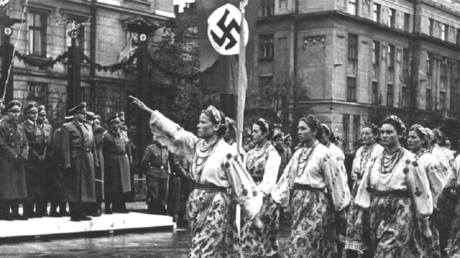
<point>311,120</point>
<point>430,134</point>
<point>397,120</point>
<point>267,126</point>
<point>215,113</point>
<point>420,129</point>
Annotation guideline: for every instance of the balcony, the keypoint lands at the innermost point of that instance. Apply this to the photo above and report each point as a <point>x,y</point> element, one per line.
<point>447,115</point>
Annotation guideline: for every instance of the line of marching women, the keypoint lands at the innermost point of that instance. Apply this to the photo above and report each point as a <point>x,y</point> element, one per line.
<point>398,207</point>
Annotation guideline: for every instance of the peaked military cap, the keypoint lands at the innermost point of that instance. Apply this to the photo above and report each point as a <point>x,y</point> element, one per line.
<point>30,107</point>
<point>80,108</point>
<point>13,106</point>
<point>41,110</point>
<point>113,118</point>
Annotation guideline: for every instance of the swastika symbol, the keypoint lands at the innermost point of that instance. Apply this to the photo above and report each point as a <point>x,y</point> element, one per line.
<point>227,31</point>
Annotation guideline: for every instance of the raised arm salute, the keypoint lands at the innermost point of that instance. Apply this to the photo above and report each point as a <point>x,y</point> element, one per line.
<point>218,172</point>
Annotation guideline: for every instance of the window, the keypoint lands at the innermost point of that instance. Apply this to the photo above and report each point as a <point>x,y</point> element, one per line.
<point>406,22</point>
<point>266,47</point>
<point>266,9</point>
<point>376,53</point>
<point>429,64</point>
<point>405,61</point>
<point>458,37</point>
<point>391,56</point>
<point>265,85</point>
<point>375,93</point>
<point>351,89</point>
<point>390,95</point>
<point>442,100</point>
<point>80,42</point>
<point>346,129</point>
<point>356,128</point>
<point>405,97</point>
<point>431,27</point>
<point>37,92</point>
<point>444,29</point>
<point>37,33</point>
<point>352,46</point>
<point>429,104</point>
<point>352,7</point>
<point>376,16</point>
<point>392,17</point>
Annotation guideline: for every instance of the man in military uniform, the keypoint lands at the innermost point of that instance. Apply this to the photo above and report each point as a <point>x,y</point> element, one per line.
<point>155,166</point>
<point>178,174</point>
<point>56,181</point>
<point>117,167</point>
<point>44,131</point>
<point>13,159</point>
<point>35,171</point>
<point>94,209</point>
<point>77,143</point>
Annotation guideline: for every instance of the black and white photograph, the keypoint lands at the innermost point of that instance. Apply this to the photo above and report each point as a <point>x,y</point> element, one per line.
<point>230,128</point>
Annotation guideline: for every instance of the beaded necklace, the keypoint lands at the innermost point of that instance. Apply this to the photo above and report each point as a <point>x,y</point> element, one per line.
<point>255,155</point>
<point>366,154</point>
<point>304,157</point>
<point>388,164</point>
<point>420,153</point>
<point>202,153</point>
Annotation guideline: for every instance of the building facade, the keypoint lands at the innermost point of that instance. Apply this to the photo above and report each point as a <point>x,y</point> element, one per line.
<point>355,61</point>
<point>105,38</point>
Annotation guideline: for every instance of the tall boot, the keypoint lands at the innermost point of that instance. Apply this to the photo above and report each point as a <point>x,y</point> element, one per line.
<point>53,210</point>
<point>15,212</point>
<point>108,208</point>
<point>5,211</point>
<point>63,210</point>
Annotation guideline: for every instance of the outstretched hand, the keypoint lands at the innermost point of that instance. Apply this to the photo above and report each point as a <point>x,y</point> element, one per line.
<point>139,104</point>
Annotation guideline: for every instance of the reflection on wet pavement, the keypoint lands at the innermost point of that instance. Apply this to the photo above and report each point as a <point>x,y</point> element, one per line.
<point>159,245</point>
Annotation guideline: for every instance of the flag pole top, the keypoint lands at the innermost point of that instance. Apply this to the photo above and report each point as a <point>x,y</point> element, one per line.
<point>243,4</point>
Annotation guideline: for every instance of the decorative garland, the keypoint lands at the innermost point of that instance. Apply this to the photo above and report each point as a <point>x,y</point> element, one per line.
<point>41,64</point>
<point>113,67</point>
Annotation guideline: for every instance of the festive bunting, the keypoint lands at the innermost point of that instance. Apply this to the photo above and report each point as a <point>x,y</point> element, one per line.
<point>41,64</point>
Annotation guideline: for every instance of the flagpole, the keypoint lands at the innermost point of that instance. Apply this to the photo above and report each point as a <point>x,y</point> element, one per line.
<point>242,86</point>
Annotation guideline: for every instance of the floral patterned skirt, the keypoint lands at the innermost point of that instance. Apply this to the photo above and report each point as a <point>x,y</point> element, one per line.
<point>262,242</point>
<point>313,229</point>
<point>393,228</point>
<point>354,236</point>
<point>213,229</point>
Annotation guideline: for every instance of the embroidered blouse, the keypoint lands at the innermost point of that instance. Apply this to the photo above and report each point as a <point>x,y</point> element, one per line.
<point>314,167</point>
<point>404,174</point>
<point>434,172</point>
<point>214,164</point>
<point>444,161</point>
<point>263,165</point>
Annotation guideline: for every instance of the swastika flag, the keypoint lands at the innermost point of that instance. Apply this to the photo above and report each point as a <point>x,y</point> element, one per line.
<point>218,38</point>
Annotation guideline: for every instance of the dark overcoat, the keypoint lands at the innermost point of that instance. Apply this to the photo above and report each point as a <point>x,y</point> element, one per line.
<point>13,142</point>
<point>99,170</point>
<point>77,147</point>
<point>116,160</point>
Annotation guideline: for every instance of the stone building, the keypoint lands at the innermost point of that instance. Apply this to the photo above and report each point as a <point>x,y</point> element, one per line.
<point>105,37</point>
<point>359,60</point>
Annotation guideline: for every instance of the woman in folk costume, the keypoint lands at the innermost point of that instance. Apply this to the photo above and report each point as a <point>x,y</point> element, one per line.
<point>328,139</point>
<point>218,172</point>
<point>434,149</point>
<point>415,142</point>
<point>439,142</point>
<point>369,134</point>
<point>396,191</point>
<point>309,173</point>
<point>262,163</point>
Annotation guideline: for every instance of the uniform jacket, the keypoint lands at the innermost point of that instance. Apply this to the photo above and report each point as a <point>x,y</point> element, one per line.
<point>39,138</point>
<point>156,161</point>
<point>13,142</point>
<point>117,172</point>
<point>77,147</point>
<point>99,170</point>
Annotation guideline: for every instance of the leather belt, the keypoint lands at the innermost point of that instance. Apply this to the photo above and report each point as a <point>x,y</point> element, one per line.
<point>116,153</point>
<point>307,188</point>
<point>158,166</point>
<point>211,188</point>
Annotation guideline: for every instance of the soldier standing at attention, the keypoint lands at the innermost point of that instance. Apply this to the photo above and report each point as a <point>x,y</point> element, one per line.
<point>35,169</point>
<point>46,130</point>
<point>77,143</point>
<point>13,158</point>
<point>155,166</point>
<point>117,170</point>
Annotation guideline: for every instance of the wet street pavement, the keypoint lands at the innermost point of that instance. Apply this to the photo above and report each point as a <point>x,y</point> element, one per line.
<point>161,245</point>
